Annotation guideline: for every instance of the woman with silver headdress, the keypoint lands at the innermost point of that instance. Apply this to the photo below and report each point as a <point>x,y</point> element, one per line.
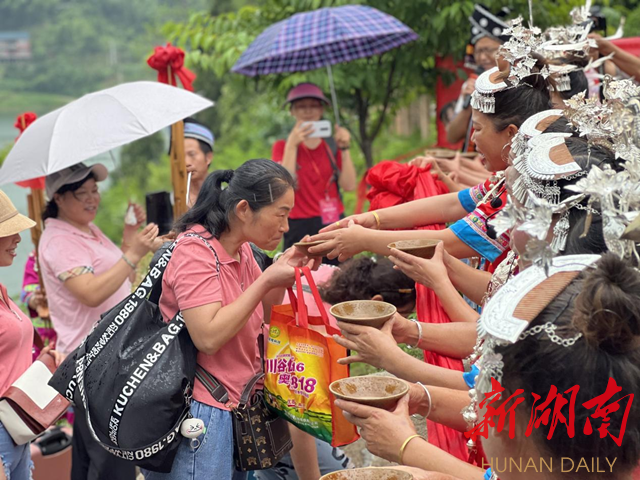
<point>550,160</point>
<point>574,329</point>
<point>551,166</point>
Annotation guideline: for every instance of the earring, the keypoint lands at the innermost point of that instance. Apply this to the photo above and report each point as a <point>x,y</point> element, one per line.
<point>502,156</point>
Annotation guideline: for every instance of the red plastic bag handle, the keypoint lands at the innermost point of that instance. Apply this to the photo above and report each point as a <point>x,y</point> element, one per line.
<point>329,322</point>
<point>299,307</point>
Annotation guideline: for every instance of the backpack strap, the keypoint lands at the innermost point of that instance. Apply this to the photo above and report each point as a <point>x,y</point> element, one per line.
<point>195,235</point>
<point>219,391</point>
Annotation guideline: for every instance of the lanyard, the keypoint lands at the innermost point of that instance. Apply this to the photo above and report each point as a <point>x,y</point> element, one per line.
<point>315,167</point>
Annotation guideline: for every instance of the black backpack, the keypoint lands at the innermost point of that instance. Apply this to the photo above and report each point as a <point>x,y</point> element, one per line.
<point>132,377</point>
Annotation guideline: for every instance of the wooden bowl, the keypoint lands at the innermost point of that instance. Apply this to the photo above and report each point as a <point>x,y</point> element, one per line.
<point>364,312</point>
<point>374,390</point>
<point>440,153</point>
<point>369,473</point>
<point>449,154</point>
<point>419,248</point>
<point>304,246</point>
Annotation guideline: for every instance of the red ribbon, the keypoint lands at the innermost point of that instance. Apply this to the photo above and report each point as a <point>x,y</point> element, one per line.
<point>22,122</point>
<point>169,62</point>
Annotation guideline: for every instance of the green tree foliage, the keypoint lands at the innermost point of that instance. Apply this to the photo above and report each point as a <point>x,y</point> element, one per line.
<point>80,46</point>
<point>369,90</point>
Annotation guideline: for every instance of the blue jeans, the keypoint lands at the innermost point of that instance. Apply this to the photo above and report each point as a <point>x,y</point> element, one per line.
<point>15,459</point>
<point>208,457</point>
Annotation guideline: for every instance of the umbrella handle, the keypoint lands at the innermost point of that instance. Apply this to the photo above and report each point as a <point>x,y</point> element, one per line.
<point>334,99</point>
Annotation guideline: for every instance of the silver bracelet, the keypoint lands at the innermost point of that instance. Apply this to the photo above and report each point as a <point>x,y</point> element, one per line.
<point>419,325</point>
<point>128,262</point>
<point>429,397</point>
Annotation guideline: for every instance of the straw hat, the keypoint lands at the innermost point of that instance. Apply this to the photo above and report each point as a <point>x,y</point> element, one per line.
<point>11,221</point>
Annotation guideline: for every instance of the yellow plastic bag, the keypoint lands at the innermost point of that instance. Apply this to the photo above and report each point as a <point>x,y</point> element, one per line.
<point>300,364</point>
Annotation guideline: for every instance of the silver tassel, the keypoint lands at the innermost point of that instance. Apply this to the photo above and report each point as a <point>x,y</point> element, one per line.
<point>519,146</point>
<point>483,103</point>
<point>520,190</point>
<point>489,104</point>
<point>560,232</point>
<point>563,83</point>
<point>519,163</point>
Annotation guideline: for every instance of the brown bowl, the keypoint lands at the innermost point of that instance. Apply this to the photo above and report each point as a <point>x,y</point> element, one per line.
<point>419,248</point>
<point>449,154</point>
<point>440,153</point>
<point>364,312</point>
<point>374,390</point>
<point>304,246</point>
<point>369,473</point>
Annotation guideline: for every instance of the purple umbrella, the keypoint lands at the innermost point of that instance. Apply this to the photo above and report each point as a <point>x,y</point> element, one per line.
<point>321,38</point>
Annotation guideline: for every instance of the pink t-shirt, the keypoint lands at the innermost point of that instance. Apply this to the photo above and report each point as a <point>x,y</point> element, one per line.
<point>16,341</point>
<point>191,280</point>
<point>66,252</point>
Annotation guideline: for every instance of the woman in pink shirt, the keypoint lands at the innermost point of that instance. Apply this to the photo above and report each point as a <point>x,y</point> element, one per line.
<point>16,340</point>
<point>224,297</point>
<point>85,274</point>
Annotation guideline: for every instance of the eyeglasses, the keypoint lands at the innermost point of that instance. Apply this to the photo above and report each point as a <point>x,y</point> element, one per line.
<point>307,106</point>
<point>491,52</point>
<point>84,196</point>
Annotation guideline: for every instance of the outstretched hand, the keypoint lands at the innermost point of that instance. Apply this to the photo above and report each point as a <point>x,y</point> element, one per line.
<point>344,242</point>
<point>375,347</point>
<point>383,431</point>
<point>430,273</point>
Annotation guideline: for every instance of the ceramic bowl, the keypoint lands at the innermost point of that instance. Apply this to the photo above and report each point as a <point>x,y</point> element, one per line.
<point>370,473</point>
<point>304,246</point>
<point>374,390</point>
<point>364,312</point>
<point>419,248</point>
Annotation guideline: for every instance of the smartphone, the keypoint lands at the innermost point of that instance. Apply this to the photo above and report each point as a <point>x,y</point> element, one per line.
<point>321,128</point>
<point>160,211</point>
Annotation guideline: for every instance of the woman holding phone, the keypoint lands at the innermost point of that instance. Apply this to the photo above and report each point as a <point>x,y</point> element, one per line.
<point>320,166</point>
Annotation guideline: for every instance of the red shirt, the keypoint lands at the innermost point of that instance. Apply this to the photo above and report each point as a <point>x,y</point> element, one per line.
<point>314,174</point>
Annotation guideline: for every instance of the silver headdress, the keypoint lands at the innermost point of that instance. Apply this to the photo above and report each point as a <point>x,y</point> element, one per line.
<point>487,85</point>
<point>561,74</point>
<point>506,319</point>
<point>545,161</point>
<point>541,160</point>
<point>611,123</point>
<point>507,316</point>
<point>613,194</point>
<point>517,52</point>
<point>573,41</point>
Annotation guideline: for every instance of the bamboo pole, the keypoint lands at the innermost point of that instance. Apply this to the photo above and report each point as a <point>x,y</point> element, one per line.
<point>178,165</point>
<point>178,170</point>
